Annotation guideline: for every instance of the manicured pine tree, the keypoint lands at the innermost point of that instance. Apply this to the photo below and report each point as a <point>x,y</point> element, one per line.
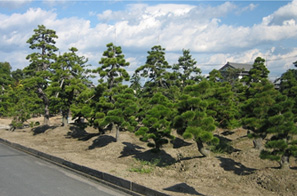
<point>222,102</point>
<point>39,71</point>
<point>192,120</point>
<point>288,87</point>
<point>260,97</point>
<point>279,124</point>
<point>112,72</point>
<point>156,128</point>
<point>123,113</point>
<point>68,81</point>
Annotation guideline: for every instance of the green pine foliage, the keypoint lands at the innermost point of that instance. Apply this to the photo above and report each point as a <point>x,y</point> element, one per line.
<point>280,126</point>
<point>155,127</point>
<point>288,87</point>
<point>23,104</point>
<point>112,69</point>
<point>69,79</point>
<point>38,73</point>
<point>5,84</point>
<point>222,105</point>
<point>123,113</point>
<point>192,120</point>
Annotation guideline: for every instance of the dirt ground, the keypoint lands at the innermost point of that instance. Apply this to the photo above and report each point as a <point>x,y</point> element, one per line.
<point>177,170</point>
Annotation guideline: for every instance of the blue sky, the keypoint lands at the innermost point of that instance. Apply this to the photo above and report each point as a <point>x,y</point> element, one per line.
<point>215,31</point>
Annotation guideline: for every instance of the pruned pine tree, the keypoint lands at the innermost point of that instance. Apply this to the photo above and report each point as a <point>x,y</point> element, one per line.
<point>260,96</point>
<point>192,120</point>
<point>155,72</point>
<point>68,81</point>
<point>156,128</point>
<point>39,72</point>
<point>288,87</point>
<point>185,72</point>
<point>123,113</point>
<point>279,124</point>
<point>222,105</point>
<point>112,72</point>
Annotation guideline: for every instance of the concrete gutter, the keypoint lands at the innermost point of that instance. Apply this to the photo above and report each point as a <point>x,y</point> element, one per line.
<point>105,178</point>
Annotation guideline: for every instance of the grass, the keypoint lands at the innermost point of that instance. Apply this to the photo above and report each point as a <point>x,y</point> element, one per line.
<point>144,167</point>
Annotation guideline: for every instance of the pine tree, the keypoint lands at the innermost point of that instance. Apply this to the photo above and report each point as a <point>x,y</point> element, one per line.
<point>279,123</point>
<point>192,120</point>
<point>260,97</point>
<point>112,72</point>
<point>69,79</point>
<point>156,128</point>
<point>288,87</point>
<point>39,71</point>
<point>123,113</point>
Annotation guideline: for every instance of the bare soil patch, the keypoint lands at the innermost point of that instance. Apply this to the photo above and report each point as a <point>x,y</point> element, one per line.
<point>177,170</point>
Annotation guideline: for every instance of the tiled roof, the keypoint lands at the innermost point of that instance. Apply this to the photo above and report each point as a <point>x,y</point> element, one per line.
<point>244,66</point>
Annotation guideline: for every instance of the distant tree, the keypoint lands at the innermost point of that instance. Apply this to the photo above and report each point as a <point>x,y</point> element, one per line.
<point>258,72</point>
<point>5,82</point>
<point>192,120</point>
<point>39,71</point>
<point>17,76</point>
<point>5,75</point>
<point>156,128</point>
<point>135,83</point>
<point>185,71</point>
<point>69,79</point>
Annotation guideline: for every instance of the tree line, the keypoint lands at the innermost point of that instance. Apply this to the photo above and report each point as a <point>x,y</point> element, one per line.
<point>173,97</point>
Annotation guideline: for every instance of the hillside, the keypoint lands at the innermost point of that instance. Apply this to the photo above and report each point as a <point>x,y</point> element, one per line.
<point>177,170</point>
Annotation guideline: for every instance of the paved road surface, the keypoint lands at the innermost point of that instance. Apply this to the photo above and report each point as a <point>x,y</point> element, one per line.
<point>25,175</point>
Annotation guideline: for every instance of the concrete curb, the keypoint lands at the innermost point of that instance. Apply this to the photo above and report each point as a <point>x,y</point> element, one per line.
<point>108,179</point>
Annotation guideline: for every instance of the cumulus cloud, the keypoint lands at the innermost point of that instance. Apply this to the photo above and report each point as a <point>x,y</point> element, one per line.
<point>283,15</point>
<point>138,27</point>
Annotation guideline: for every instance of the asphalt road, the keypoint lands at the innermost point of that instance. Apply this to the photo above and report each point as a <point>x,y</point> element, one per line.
<point>25,175</point>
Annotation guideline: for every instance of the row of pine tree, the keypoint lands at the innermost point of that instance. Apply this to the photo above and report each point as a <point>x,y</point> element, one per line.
<point>159,98</point>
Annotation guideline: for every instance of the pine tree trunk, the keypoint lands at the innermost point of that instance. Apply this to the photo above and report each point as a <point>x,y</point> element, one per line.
<point>284,163</point>
<point>46,106</point>
<point>258,143</point>
<point>46,114</point>
<point>65,118</point>
<point>117,130</point>
<point>205,152</point>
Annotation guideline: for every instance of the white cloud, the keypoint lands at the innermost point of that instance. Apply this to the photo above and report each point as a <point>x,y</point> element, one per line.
<point>140,26</point>
<point>285,13</point>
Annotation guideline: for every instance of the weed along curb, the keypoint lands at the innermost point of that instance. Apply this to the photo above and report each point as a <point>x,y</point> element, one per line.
<point>110,180</point>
